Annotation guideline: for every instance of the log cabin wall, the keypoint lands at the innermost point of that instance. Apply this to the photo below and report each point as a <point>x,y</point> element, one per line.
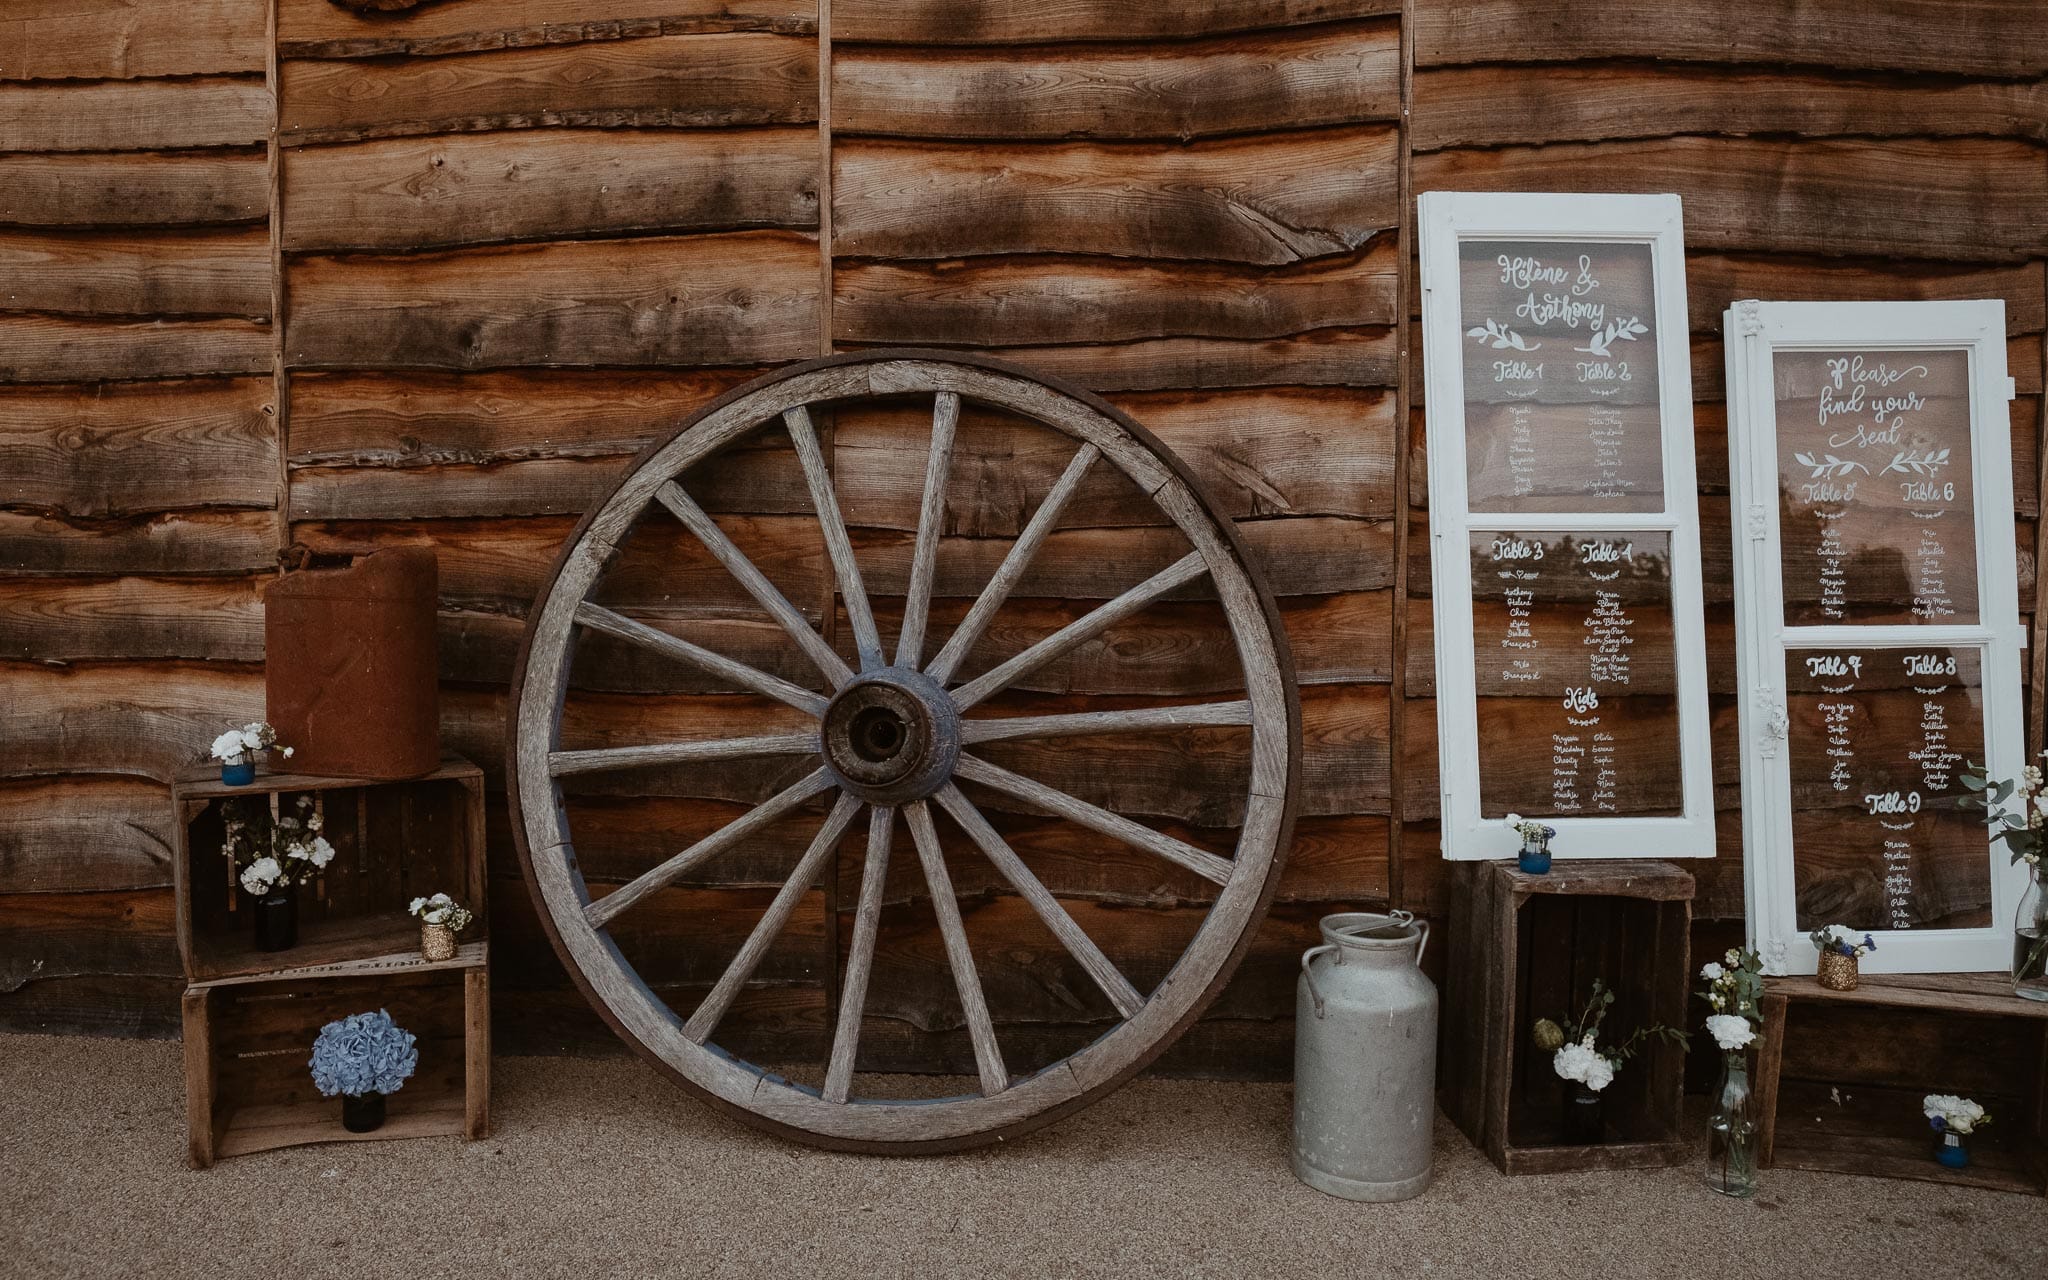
<point>511,240</point>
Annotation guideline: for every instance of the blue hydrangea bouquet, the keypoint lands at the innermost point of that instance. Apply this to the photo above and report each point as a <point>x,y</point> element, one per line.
<point>363,1054</point>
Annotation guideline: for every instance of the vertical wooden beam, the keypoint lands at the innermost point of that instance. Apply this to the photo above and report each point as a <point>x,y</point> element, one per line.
<point>1397,686</point>
<point>2037,653</point>
<point>200,1129</point>
<point>280,379</point>
<point>476,1052</point>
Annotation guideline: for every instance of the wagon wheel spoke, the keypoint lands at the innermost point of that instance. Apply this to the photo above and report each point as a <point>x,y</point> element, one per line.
<point>1140,720</point>
<point>1200,861</point>
<point>705,1019</point>
<point>1012,569</point>
<point>1100,967</point>
<point>988,1056</point>
<point>599,618</point>
<point>860,956</point>
<point>563,763</point>
<point>603,911</point>
<point>1080,629</point>
<point>866,641</point>
<point>727,553</point>
<point>924,560</point>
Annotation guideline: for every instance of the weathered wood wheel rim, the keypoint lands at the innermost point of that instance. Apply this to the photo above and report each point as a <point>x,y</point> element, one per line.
<point>683,1048</point>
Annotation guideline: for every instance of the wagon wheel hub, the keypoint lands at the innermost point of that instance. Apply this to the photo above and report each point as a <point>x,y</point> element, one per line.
<point>892,736</point>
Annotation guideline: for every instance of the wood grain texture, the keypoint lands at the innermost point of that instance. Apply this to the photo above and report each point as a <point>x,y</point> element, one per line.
<point>139,447</point>
<point>417,193</point>
<point>41,348</point>
<point>1029,301</point>
<point>138,273</point>
<point>1243,84</point>
<point>67,620</point>
<point>85,833</point>
<point>123,39</point>
<point>1495,106</point>
<point>1714,280</point>
<point>144,188</point>
<point>696,81</point>
<point>175,542</point>
<point>150,719</point>
<point>1968,199</point>
<point>1979,37</point>
<point>993,22</point>
<point>745,298</point>
<point>319,29</point>
<point>1323,358</point>
<point>134,115</point>
<point>64,935</point>
<point>1265,200</point>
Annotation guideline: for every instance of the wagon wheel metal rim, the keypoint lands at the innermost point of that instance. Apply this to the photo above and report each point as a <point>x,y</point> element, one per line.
<point>893,734</point>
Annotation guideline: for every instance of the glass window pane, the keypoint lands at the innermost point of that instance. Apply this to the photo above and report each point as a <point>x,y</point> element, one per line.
<point>1876,514</point>
<point>1575,674</point>
<point>1877,738</point>
<point>1560,373</point>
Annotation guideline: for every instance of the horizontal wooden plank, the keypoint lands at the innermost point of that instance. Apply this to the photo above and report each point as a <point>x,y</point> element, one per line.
<point>120,39</point>
<point>412,193</point>
<point>174,542</point>
<point>1970,199</point>
<point>1978,37</point>
<point>65,935</point>
<point>1323,75</point>
<point>141,447</point>
<point>492,561</point>
<point>1714,280</point>
<point>1272,199</point>
<point>994,22</point>
<point>135,115</point>
<point>69,620</point>
<point>152,719</point>
<point>1493,106</point>
<point>85,833</point>
<point>1323,358</point>
<point>138,273</point>
<point>321,29</point>
<point>1025,302</point>
<point>133,1005</point>
<point>695,81</point>
<point>745,298</point>
<point>128,189</point>
<point>394,419</point>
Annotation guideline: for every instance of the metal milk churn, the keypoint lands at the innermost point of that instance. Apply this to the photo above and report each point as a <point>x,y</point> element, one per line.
<point>1365,1059</point>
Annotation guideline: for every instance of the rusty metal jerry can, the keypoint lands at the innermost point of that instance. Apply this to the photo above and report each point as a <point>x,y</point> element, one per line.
<point>1365,1059</point>
<point>350,666</point>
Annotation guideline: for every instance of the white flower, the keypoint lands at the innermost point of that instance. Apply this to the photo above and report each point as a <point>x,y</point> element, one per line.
<point>323,852</point>
<point>1730,1031</point>
<point>1734,958</point>
<point>227,748</point>
<point>439,915</point>
<point>417,903</point>
<point>1711,972</point>
<point>287,753</point>
<point>1958,1114</point>
<point>441,900</point>
<point>259,876</point>
<point>1581,1063</point>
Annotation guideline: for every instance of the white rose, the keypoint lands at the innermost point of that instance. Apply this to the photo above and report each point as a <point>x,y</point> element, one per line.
<point>440,899</point>
<point>1730,1031</point>
<point>1600,1074</point>
<point>227,748</point>
<point>287,753</point>
<point>417,903</point>
<point>439,915</point>
<point>1711,972</point>
<point>323,852</point>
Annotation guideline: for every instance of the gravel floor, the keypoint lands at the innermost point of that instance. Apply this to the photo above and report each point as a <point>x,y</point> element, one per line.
<point>600,1168</point>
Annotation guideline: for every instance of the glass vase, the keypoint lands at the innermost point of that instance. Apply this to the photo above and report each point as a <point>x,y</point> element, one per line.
<point>1731,1131</point>
<point>275,919</point>
<point>362,1112</point>
<point>1585,1116</point>
<point>1534,859</point>
<point>1954,1151</point>
<point>2030,942</point>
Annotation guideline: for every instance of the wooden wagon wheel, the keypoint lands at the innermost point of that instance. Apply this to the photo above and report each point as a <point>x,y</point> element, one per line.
<point>893,734</point>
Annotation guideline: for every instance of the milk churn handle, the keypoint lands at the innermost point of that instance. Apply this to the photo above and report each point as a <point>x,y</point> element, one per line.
<point>1310,974</point>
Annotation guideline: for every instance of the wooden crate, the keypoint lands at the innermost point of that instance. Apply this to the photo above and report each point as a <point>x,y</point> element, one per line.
<point>1841,1075</point>
<point>393,841</point>
<point>1524,947</point>
<point>249,1040</point>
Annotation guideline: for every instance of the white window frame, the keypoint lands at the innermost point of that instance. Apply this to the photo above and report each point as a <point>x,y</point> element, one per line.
<point>1446,219</point>
<point>1755,332</point>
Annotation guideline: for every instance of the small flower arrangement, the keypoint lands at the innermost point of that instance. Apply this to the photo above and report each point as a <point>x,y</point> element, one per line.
<point>1531,831</point>
<point>1840,939</point>
<point>1574,1046</point>
<point>272,854</point>
<point>1950,1114</point>
<point>362,1054</point>
<point>2025,832</point>
<point>239,746</point>
<point>442,910</point>
<point>1734,985</point>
